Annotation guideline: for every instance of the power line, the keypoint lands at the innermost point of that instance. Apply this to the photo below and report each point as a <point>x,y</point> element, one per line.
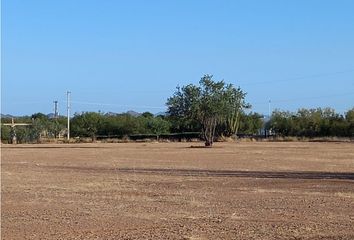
<point>306,98</point>
<point>299,78</point>
<point>116,105</point>
<point>314,97</point>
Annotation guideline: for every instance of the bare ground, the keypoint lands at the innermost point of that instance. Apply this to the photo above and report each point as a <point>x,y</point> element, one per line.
<point>254,190</point>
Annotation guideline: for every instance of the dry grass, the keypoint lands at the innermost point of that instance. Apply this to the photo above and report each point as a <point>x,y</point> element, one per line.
<point>172,191</point>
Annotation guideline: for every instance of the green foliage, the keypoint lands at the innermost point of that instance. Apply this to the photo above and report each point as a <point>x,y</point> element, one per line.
<point>349,117</point>
<point>312,123</point>
<point>42,126</point>
<point>40,116</point>
<point>92,124</point>
<point>55,126</point>
<point>208,108</point>
<point>5,134</point>
<point>35,130</point>
<point>181,107</point>
<point>38,123</point>
<point>250,123</point>
<point>22,134</point>
<point>210,104</point>
<point>86,124</point>
<point>158,126</point>
<point>237,102</point>
<point>147,115</point>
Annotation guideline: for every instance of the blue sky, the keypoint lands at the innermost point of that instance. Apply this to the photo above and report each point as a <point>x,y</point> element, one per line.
<point>130,55</point>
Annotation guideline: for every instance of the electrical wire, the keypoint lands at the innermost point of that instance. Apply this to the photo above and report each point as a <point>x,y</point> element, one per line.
<point>305,98</point>
<point>298,78</point>
<point>115,105</point>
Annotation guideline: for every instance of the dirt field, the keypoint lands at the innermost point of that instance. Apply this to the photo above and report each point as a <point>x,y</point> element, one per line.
<point>253,190</point>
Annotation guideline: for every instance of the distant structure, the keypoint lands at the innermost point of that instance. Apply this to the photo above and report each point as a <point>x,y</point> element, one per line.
<point>264,130</point>
<point>68,113</point>
<point>56,113</point>
<point>13,131</point>
<point>269,109</point>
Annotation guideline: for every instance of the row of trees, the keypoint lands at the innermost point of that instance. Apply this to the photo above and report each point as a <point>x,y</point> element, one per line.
<point>211,108</point>
<point>91,124</point>
<point>85,124</point>
<point>312,123</point>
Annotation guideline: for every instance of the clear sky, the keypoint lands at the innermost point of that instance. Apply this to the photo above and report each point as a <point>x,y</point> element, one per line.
<point>130,55</point>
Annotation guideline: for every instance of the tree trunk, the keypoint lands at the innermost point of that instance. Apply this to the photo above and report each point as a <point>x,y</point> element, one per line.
<point>209,126</point>
<point>208,143</point>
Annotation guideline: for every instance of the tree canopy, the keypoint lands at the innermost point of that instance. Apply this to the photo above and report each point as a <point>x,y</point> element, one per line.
<point>319,122</point>
<point>210,104</point>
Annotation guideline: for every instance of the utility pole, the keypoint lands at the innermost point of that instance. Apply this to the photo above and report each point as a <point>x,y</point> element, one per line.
<point>56,115</point>
<point>269,115</point>
<point>68,112</point>
<point>13,131</point>
<point>269,110</point>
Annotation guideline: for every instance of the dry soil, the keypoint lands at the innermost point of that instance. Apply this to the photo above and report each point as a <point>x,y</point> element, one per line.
<point>255,190</point>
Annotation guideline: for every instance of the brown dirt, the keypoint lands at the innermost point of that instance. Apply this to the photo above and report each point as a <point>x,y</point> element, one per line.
<point>255,190</point>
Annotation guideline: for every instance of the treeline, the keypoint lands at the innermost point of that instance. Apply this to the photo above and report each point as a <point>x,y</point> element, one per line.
<point>312,123</point>
<point>91,124</point>
<point>303,123</point>
<point>100,125</point>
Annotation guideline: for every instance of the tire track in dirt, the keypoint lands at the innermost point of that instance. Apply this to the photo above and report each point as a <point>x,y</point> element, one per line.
<point>214,173</point>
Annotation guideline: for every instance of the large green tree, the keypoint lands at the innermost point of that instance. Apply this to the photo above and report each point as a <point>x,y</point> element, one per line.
<point>210,104</point>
